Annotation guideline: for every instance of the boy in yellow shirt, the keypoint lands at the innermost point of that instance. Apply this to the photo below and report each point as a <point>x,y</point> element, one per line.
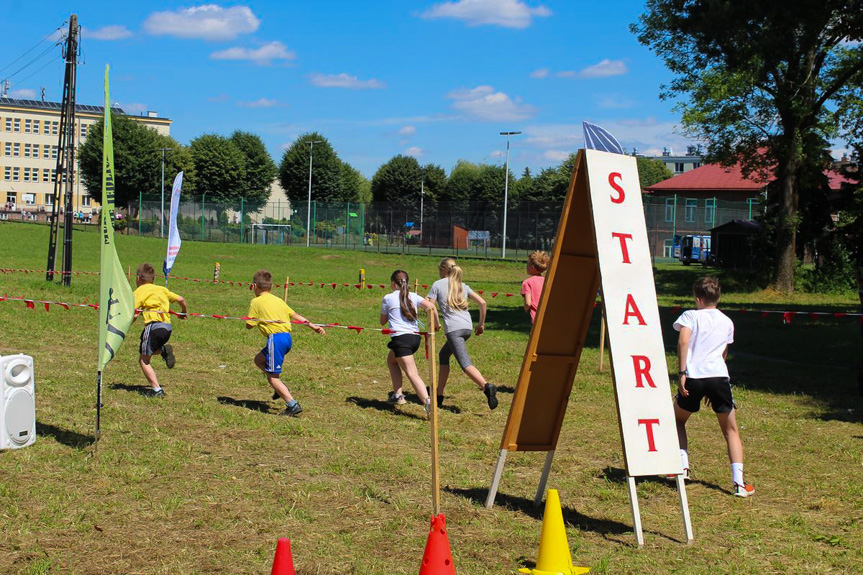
<point>266,306</point>
<point>156,302</point>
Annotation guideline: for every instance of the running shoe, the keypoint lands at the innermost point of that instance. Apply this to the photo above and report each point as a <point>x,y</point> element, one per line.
<point>292,411</point>
<point>744,490</point>
<point>160,393</point>
<point>490,392</point>
<point>168,355</point>
<point>396,398</point>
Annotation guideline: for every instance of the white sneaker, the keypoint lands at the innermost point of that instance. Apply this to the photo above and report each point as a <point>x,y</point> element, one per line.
<point>396,399</point>
<point>428,406</point>
<point>744,490</point>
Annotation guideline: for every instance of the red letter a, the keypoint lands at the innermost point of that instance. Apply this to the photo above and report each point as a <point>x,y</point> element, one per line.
<point>632,310</point>
<point>641,363</point>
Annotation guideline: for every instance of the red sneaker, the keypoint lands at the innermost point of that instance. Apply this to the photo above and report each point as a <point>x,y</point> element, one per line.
<point>744,490</point>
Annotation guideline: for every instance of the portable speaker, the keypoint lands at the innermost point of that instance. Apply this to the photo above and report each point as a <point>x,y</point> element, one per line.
<point>17,402</point>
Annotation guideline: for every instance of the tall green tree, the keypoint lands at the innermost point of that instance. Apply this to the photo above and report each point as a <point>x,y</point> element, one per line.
<point>220,171</point>
<point>355,186</point>
<point>398,182</point>
<point>651,171</point>
<point>137,160</point>
<point>434,182</point>
<point>259,167</point>
<point>758,78</point>
<point>327,181</point>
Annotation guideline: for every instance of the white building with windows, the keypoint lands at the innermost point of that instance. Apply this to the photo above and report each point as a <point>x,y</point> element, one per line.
<point>29,134</point>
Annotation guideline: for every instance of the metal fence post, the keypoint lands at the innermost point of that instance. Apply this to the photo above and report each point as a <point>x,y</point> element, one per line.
<point>140,210</point>
<point>242,217</point>
<point>203,214</point>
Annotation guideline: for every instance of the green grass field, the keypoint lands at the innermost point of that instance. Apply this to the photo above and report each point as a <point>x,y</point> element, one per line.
<point>206,480</point>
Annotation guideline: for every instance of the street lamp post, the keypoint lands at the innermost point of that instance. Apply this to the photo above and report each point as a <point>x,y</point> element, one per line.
<point>506,191</point>
<point>422,198</point>
<point>309,206</point>
<point>162,212</point>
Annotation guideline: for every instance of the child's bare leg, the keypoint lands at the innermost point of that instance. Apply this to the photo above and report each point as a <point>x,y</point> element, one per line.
<point>149,372</point>
<point>681,416</point>
<point>395,373</point>
<point>442,377</point>
<point>273,379</point>
<point>728,424</point>
<point>409,366</point>
<point>474,374</point>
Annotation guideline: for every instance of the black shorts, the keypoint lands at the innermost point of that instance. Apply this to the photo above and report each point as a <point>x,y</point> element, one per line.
<point>404,345</point>
<point>717,390</point>
<point>155,335</point>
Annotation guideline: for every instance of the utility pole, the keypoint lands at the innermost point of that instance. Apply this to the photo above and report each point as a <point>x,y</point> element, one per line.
<point>309,207</point>
<point>64,180</point>
<point>506,190</point>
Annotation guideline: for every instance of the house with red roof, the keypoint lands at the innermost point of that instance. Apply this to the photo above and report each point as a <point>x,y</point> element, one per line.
<point>703,198</point>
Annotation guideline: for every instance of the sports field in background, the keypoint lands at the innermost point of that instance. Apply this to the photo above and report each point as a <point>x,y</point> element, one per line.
<point>206,480</point>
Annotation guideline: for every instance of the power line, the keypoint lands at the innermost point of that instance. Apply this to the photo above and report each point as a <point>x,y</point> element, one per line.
<point>31,62</point>
<point>34,47</point>
<point>53,61</point>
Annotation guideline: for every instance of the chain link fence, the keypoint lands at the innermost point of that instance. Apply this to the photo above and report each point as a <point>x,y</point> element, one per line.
<point>442,228</point>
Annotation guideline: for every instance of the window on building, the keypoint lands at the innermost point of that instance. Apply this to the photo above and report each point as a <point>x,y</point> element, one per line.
<point>27,149</point>
<point>709,211</point>
<point>16,149</point>
<point>53,175</point>
<point>46,127</point>
<point>668,249</point>
<point>55,126</point>
<point>26,174</point>
<point>84,128</point>
<point>36,126</point>
<point>8,149</point>
<point>669,209</point>
<point>17,125</point>
<point>53,152</point>
<point>29,199</point>
<point>678,167</point>
<point>46,150</point>
<point>49,199</point>
<point>11,198</point>
<point>45,175</point>
<point>15,174</point>
<point>8,124</point>
<point>28,126</point>
<point>35,150</point>
<point>85,200</point>
<point>696,165</point>
<point>7,173</point>
<point>689,213</point>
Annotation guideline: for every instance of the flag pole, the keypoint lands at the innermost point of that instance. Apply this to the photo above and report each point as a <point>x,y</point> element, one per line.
<point>98,406</point>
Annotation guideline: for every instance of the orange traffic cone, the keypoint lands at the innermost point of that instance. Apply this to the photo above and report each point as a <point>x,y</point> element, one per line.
<point>437,559</point>
<point>283,562</point>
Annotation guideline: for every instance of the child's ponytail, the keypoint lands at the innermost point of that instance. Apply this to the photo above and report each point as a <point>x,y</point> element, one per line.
<point>455,291</point>
<point>400,278</point>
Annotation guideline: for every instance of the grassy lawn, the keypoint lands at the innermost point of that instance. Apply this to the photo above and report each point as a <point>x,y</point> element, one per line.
<point>207,479</point>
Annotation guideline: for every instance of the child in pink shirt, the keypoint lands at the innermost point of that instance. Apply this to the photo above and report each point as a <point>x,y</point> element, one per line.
<point>531,288</point>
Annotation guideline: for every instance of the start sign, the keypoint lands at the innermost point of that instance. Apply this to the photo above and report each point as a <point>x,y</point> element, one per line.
<point>639,368</point>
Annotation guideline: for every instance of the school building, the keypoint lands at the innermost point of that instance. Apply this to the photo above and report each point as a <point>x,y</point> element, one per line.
<point>29,135</point>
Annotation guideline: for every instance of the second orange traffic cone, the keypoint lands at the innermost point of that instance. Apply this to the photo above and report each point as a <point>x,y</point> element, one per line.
<point>437,559</point>
<point>283,562</point>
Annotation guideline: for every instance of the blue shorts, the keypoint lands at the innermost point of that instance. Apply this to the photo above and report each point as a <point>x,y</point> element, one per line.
<point>278,346</point>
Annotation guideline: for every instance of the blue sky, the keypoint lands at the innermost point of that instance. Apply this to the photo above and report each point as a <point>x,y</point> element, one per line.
<point>436,80</point>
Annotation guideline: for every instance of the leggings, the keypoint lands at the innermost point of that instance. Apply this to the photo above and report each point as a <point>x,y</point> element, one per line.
<point>455,344</point>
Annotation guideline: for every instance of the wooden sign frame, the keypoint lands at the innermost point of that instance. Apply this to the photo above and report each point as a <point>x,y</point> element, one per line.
<point>562,321</point>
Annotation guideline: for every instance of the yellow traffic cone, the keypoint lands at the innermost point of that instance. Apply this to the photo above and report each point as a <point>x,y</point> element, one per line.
<point>554,556</point>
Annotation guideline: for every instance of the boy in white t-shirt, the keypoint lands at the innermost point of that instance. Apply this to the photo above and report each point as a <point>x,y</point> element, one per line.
<point>702,347</point>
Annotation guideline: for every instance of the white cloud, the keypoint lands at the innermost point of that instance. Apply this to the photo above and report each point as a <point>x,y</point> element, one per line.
<point>556,155</point>
<point>261,56</point>
<point>107,33</point>
<point>23,94</point>
<point>484,104</point>
<point>604,69</point>
<point>615,102</point>
<point>505,13</point>
<point>567,74</point>
<point>540,73</point>
<point>207,22</point>
<point>132,108</point>
<point>345,81</point>
<point>259,103</point>
<point>408,131</point>
<point>414,151</point>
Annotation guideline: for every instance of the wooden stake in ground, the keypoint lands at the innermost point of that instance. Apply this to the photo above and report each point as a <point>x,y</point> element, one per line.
<point>601,339</point>
<point>416,286</point>
<point>287,281</point>
<point>433,414</point>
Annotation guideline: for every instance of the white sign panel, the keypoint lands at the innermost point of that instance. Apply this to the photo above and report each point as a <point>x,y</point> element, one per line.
<point>629,295</point>
<point>174,239</point>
